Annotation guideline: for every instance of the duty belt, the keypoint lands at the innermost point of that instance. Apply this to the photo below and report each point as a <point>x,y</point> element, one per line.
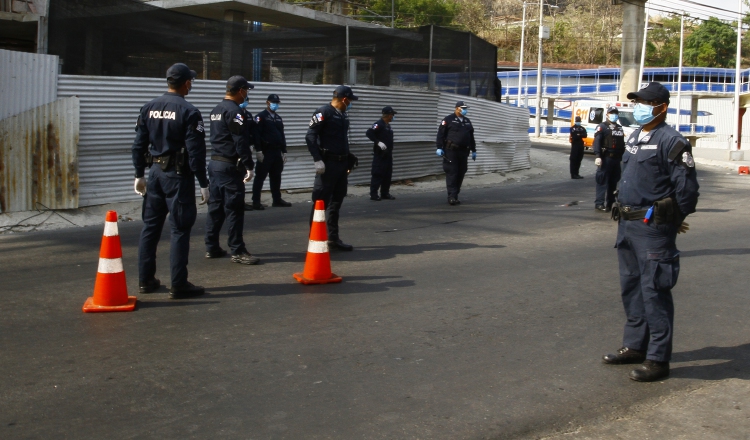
<point>269,146</point>
<point>165,160</point>
<point>233,161</point>
<point>335,157</point>
<point>630,213</point>
<point>451,146</point>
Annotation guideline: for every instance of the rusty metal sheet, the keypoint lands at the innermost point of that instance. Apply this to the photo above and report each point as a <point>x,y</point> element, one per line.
<point>39,158</point>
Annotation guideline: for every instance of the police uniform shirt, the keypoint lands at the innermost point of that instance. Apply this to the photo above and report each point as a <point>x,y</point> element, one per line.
<point>457,130</point>
<point>230,132</point>
<point>270,128</point>
<point>609,139</point>
<point>657,166</point>
<point>381,132</point>
<point>329,129</point>
<point>577,133</point>
<point>165,126</point>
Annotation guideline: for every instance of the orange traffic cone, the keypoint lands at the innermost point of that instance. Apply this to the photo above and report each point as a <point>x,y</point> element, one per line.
<point>110,290</point>
<point>318,262</point>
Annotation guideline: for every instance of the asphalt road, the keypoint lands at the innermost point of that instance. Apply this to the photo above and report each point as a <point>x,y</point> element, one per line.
<point>481,321</point>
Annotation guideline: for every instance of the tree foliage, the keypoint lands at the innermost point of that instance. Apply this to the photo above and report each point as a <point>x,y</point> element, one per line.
<point>712,43</point>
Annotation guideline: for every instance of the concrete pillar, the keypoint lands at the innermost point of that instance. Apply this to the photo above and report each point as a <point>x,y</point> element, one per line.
<point>92,61</point>
<point>550,113</point>
<point>633,20</point>
<point>693,119</point>
<point>231,48</point>
<point>334,65</point>
<point>382,68</point>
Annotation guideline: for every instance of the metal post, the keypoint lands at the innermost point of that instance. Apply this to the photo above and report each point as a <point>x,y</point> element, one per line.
<point>430,76</point>
<point>679,72</point>
<point>469,61</point>
<point>347,51</point>
<point>643,48</point>
<point>393,10</point>
<point>737,81</point>
<point>520,57</point>
<point>538,120</point>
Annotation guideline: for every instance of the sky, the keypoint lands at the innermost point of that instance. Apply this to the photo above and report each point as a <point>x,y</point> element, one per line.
<point>698,11</point>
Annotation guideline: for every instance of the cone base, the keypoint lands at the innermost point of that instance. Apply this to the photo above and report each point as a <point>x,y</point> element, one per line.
<point>301,278</point>
<point>90,307</point>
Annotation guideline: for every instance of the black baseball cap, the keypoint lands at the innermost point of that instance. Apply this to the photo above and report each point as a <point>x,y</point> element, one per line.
<point>461,104</point>
<point>578,119</point>
<point>613,110</point>
<point>653,92</point>
<point>344,92</point>
<point>388,110</point>
<point>238,82</point>
<point>180,73</point>
<point>273,98</point>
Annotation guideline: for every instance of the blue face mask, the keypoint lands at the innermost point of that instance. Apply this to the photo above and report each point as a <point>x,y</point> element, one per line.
<point>464,111</point>
<point>613,117</point>
<point>643,113</point>
<point>273,106</point>
<point>578,124</point>
<point>348,107</point>
<point>245,102</point>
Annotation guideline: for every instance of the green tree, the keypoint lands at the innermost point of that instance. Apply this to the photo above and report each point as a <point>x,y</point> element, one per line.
<point>663,45</point>
<point>414,12</point>
<point>713,43</point>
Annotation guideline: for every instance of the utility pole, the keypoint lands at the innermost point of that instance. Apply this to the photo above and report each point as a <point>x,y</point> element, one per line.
<point>538,119</point>
<point>520,57</point>
<point>633,18</point>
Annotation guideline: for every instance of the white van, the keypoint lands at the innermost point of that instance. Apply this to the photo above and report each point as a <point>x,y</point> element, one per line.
<point>593,113</point>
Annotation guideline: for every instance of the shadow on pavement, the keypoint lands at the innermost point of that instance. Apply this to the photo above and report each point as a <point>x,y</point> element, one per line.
<point>728,363</point>
<point>350,285</point>
<point>146,304</point>
<point>706,252</point>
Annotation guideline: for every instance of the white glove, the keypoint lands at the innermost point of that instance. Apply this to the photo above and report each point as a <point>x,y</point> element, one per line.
<point>283,157</point>
<point>259,156</point>
<point>320,167</point>
<point>248,176</point>
<point>382,146</point>
<point>140,186</point>
<point>205,195</point>
<point>598,161</point>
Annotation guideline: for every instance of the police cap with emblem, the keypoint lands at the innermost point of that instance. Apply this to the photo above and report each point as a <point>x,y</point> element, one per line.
<point>273,98</point>
<point>461,104</point>
<point>578,119</point>
<point>344,92</point>
<point>653,92</point>
<point>613,110</point>
<point>238,82</point>
<point>179,73</point>
<point>388,110</point>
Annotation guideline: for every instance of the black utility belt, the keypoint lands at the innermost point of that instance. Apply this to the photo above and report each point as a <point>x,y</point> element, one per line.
<point>627,213</point>
<point>452,146</point>
<point>335,157</point>
<point>233,161</point>
<point>164,160</point>
<point>269,146</point>
<point>613,155</point>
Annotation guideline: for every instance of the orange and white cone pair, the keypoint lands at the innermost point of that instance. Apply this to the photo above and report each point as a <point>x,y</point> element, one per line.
<point>318,261</point>
<point>110,290</point>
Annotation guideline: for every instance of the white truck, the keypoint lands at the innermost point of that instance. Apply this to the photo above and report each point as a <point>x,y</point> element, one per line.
<point>593,113</point>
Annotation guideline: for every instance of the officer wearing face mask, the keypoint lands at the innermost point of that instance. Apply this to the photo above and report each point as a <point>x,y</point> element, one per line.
<point>170,139</point>
<point>230,168</point>
<point>577,134</point>
<point>328,142</point>
<point>609,144</point>
<point>270,154</point>
<point>455,141</point>
<point>659,188</point>
<point>381,135</point>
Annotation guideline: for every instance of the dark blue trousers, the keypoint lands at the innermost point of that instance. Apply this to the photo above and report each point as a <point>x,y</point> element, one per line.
<point>649,267</point>
<point>227,202</point>
<point>167,193</point>
<point>331,187</point>
<point>607,177</point>
<point>382,172</point>
<point>576,156</point>
<point>271,167</point>
<point>455,164</point>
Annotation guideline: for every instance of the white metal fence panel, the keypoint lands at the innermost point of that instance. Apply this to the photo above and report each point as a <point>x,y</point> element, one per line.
<point>27,80</point>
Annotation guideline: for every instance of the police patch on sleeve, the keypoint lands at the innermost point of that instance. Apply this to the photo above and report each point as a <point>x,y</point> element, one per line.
<point>598,129</point>
<point>257,119</point>
<point>688,160</point>
<point>443,123</point>
<point>375,126</point>
<point>199,126</point>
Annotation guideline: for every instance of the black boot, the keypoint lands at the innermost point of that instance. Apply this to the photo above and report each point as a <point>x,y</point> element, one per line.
<point>624,355</point>
<point>336,243</point>
<point>650,371</point>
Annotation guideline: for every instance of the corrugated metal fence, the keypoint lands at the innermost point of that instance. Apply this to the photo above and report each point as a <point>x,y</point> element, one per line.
<point>38,158</point>
<point>27,80</point>
<point>109,109</point>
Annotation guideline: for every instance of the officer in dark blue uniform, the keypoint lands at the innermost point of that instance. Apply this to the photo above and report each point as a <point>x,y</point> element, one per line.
<point>328,142</point>
<point>270,153</point>
<point>455,140</point>
<point>169,136</point>
<point>230,168</point>
<point>381,135</point>
<point>609,145</point>
<point>577,134</point>
<point>659,188</point>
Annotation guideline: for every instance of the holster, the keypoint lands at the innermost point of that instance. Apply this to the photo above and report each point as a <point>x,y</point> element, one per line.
<point>149,159</point>
<point>616,211</point>
<point>665,211</point>
<point>182,166</point>
<point>351,162</point>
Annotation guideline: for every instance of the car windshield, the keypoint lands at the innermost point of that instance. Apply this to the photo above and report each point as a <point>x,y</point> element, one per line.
<point>626,120</point>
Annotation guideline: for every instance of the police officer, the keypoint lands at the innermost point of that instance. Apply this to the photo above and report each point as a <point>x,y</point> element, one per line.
<point>455,140</point>
<point>577,134</point>
<point>230,168</point>
<point>328,142</point>
<point>382,162</point>
<point>170,135</point>
<point>659,188</point>
<point>270,153</point>
<point>609,144</point>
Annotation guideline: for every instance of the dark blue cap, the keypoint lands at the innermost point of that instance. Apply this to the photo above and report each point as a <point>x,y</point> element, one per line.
<point>344,92</point>
<point>273,98</point>
<point>653,92</point>
<point>388,110</point>
<point>180,73</point>
<point>461,104</point>
<point>613,110</point>
<point>238,82</point>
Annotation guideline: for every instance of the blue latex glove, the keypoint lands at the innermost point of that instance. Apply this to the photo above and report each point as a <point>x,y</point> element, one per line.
<point>440,152</point>
<point>473,155</point>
